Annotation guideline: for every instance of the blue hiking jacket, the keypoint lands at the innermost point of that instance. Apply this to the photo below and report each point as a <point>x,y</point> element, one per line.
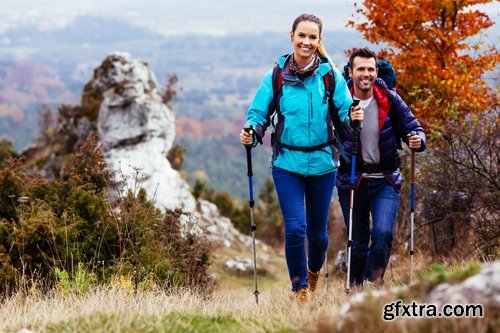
<point>304,117</point>
<point>394,117</point>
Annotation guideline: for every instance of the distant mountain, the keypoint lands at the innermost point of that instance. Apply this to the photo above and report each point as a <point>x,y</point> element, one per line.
<point>217,77</point>
<point>84,29</point>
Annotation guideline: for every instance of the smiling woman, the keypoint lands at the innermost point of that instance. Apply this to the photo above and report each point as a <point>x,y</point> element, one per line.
<point>305,37</point>
<point>303,165</point>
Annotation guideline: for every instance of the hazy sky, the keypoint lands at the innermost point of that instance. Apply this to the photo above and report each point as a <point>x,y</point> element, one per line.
<point>169,16</point>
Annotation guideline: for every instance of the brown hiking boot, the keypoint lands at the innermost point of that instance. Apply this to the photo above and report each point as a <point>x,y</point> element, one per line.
<point>312,278</point>
<point>301,295</point>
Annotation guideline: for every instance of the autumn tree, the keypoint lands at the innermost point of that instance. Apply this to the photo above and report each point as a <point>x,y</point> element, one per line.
<point>440,67</point>
<point>441,53</point>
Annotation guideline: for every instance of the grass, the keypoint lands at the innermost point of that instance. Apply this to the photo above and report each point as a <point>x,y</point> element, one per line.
<point>174,321</point>
<point>116,310</point>
<point>232,307</point>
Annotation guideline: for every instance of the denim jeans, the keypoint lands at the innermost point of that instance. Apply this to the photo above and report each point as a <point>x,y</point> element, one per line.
<point>380,199</point>
<point>304,203</point>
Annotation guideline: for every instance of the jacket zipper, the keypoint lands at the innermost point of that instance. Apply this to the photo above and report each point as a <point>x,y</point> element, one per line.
<point>311,113</point>
<point>311,104</point>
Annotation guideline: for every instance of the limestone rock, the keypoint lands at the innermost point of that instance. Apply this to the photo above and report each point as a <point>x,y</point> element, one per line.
<point>136,130</point>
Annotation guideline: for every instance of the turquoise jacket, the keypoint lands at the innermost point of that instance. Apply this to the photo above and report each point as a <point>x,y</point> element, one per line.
<point>304,120</point>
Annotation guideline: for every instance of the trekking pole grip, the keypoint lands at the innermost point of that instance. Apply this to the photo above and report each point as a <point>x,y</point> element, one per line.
<point>355,130</point>
<point>412,170</point>
<point>412,174</point>
<point>249,154</point>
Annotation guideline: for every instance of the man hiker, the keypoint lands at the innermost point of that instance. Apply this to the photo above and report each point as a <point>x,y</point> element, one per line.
<point>380,121</point>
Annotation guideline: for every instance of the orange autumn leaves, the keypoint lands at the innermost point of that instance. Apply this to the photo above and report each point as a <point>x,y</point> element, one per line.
<point>440,52</point>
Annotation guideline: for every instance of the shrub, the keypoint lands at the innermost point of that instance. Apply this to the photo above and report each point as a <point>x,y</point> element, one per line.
<point>70,232</point>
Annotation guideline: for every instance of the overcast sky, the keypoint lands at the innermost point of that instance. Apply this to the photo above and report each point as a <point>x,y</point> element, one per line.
<point>178,16</point>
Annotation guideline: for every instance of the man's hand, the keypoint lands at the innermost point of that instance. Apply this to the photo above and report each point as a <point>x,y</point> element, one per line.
<point>414,141</point>
<point>357,114</point>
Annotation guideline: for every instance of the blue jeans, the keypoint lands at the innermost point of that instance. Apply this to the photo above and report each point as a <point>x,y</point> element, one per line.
<point>304,203</point>
<point>380,199</point>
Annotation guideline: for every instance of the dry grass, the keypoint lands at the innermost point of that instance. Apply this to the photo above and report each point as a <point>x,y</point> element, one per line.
<point>276,310</point>
<point>231,308</point>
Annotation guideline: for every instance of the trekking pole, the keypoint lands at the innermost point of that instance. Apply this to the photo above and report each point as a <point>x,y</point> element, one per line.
<point>326,252</point>
<point>412,205</point>
<point>253,225</point>
<point>326,267</point>
<point>354,150</point>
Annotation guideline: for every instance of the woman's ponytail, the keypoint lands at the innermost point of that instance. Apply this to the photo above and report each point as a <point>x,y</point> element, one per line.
<point>322,52</point>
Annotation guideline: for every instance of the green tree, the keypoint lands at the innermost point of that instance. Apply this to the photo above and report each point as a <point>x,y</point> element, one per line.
<point>6,151</point>
<point>268,215</point>
<point>176,156</point>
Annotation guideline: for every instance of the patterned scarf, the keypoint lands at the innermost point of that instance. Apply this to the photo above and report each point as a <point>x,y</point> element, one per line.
<point>302,72</point>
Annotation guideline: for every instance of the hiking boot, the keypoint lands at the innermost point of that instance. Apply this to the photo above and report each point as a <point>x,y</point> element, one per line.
<point>312,278</point>
<point>301,295</point>
<point>373,285</point>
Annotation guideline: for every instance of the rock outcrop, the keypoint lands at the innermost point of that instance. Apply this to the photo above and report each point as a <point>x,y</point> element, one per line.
<point>376,307</point>
<point>136,130</point>
<point>482,288</point>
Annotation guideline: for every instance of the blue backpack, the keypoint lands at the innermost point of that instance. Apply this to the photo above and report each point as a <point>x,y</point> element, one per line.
<point>385,71</point>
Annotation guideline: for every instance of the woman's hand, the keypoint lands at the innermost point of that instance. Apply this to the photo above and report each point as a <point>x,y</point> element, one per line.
<point>246,138</point>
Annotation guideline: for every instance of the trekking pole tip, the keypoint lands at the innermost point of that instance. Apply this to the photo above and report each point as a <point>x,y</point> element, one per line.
<point>256,293</point>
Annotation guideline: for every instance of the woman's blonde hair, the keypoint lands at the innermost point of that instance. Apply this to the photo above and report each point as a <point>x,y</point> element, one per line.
<point>322,51</point>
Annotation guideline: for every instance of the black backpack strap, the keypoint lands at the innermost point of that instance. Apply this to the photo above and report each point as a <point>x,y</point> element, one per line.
<point>277,80</point>
<point>307,149</point>
<point>277,85</point>
<point>329,80</point>
<point>395,120</point>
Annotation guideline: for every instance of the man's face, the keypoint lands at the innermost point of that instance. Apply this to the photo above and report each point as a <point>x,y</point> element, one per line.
<point>363,72</point>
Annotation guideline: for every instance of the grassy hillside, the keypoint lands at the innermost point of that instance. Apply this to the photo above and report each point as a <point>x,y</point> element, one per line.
<point>231,308</point>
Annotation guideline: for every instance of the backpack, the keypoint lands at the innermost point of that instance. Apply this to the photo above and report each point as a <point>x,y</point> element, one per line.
<point>386,72</point>
<point>329,82</point>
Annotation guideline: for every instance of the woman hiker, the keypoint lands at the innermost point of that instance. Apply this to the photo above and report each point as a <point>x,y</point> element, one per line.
<point>303,165</point>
